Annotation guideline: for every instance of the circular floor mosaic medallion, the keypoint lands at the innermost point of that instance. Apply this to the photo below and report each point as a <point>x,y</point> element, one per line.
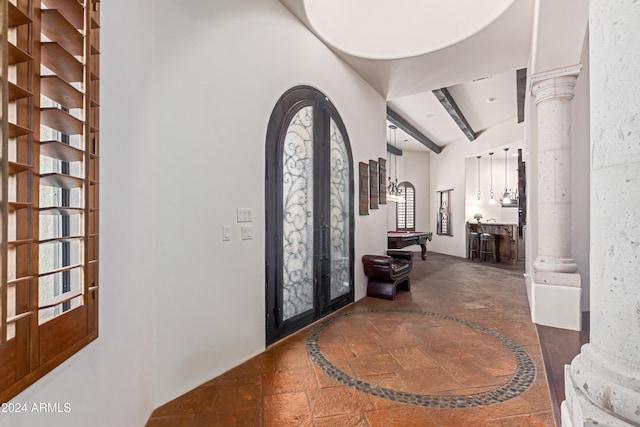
<point>523,377</point>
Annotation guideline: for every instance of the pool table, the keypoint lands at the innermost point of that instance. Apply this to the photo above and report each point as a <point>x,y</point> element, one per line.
<point>401,239</point>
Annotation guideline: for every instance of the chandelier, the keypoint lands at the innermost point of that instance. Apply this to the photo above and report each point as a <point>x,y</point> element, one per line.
<point>394,192</point>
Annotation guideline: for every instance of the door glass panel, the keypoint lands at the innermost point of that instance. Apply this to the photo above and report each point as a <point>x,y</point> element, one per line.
<point>339,214</point>
<point>297,218</point>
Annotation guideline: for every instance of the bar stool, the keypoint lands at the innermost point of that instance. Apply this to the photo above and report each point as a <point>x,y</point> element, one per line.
<point>473,250</point>
<point>488,246</point>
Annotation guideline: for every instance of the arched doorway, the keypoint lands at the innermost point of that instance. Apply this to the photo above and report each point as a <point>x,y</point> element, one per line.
<point>309,218</point>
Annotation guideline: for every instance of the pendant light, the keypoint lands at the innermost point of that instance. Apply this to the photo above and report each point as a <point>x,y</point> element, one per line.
<point>506,197</point>
<point>492,201</point>
<point>394,193</point>
<point>479,201</point>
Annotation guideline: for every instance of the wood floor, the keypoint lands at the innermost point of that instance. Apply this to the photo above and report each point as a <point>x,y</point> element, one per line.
<point>559,347</point>
<point>458,350</point>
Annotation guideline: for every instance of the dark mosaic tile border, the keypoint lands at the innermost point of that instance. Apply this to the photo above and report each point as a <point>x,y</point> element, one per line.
<point>523,377</point>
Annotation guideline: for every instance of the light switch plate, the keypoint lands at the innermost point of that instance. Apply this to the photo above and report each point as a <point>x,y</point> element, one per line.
<point>245,215</point>
<point>226,233</point>
<point>247,232</point>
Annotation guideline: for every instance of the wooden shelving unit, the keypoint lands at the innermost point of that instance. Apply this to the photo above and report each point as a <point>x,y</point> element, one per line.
<point>61,136</point>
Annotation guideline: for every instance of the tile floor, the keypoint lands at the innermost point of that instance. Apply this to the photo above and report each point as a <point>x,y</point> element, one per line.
<point>458,350</point>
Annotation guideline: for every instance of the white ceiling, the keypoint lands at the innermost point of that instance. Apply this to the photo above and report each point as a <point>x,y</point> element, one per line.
<point>471,48</point>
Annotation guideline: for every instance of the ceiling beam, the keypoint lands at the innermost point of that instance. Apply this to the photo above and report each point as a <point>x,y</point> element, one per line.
<point>521,89</point>
<point>399,121</point>
<point>450,105</point>
<point>394,150</point>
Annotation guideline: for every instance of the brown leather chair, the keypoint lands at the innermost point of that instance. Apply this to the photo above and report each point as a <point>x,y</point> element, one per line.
<point>387,273</point>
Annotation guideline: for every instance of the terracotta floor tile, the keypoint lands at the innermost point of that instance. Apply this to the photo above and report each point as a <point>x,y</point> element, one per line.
<point>241,393</point>
<point>333,401</point>
<point>428,381</point>
<point>374,365</point>
<point>291,358</point>
<point>412,358</point>
<point>288,409</point>
<point>264,362</point>
<point>197,400</point>
<point>337,352</point>
<point>244,417</point>
<point>288,381</point>
<point>541,419</point>
<point>350,420</point>
<point>325,381</point>
<point>407,416</point>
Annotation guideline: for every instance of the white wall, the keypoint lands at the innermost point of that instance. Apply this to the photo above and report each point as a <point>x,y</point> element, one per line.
<point>413,166</point>
<point>110,382</point>
<point>448,171</point>
<point>219,68</point>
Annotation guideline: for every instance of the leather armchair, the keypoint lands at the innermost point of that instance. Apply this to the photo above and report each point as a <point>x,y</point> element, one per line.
<point>387,273</point>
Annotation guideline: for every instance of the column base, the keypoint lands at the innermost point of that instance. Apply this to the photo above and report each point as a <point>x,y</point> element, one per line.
<point>578,411</point>
<point>607,383</point>
<point>556,300</point>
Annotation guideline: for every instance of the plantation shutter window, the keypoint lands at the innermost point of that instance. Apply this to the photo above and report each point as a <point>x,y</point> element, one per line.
<point>50,90</point>
<point>406,210</point>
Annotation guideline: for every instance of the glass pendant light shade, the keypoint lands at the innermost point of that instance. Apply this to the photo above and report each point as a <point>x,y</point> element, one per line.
<point>394,192</point>
<point>506,197</point>
<point>492,200</point>
<point>479,199</point>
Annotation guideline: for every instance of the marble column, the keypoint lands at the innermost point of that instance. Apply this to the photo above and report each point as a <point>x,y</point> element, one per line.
<point>556,288</point>
<point>603,381</point>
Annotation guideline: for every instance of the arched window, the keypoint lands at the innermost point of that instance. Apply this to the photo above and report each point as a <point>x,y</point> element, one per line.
<point>406,211</point>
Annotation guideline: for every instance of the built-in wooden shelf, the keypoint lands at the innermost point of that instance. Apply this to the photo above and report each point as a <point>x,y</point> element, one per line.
<point>61,62</point>
<point>56,27</point>
<point>17,130</point>
<point>17,17</point>
<point>95,24</point>
<point>92,182</point>
<point>73,11</point>
<point>15,167</point>
<point>60,180</point>
<point>60,121</point>
<point>60,210</point>
<point>61,92</point>
<point>16,92</point>
<point>95,50</point>
<point>14,206</point>
<point>17,55</point>
<point>21,242</point>
<point>61,151</point>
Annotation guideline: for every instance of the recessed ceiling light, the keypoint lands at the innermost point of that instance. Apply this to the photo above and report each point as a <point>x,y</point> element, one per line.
<point>490,100</point>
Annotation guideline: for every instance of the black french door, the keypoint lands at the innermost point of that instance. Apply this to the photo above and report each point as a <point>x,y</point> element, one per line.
<point>309,218</point>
